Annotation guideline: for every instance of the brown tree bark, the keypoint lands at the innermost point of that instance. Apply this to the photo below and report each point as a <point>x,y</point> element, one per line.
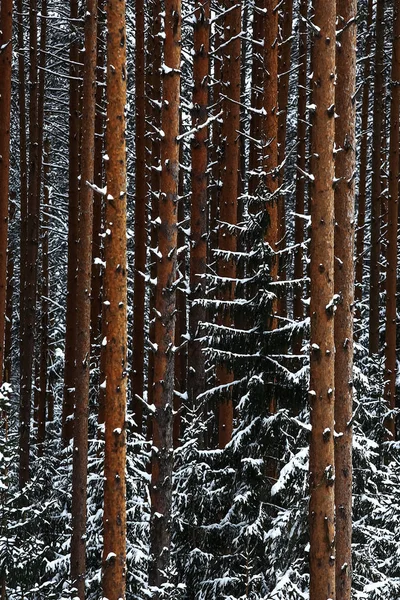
<point>322,381</point>
<point>198,216</point>
<point>5,115</point>
<point>140,222</point>
<point>345,140</point>
<point>363,160</point>
<point>226,267</point>
<point>270,131</point>
<point>115,294</point>
<point>161,476</point>
<point>376,181</point>
<point>390,347</point>
<point>98,205</point>
<point>284,61</point>
<point>257,78</point>
<point>83,305</point>
<point>73,203</point>
<point>29,284</point>
<point>298,309</point>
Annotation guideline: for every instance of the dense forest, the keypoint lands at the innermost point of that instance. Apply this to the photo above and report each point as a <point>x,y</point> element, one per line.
<point>198,299</point>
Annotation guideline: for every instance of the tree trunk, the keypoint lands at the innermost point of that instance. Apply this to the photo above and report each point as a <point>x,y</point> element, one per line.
<point>270,131</point>
<point>376,181</point>
<point>298,308</point>
<point>140,223</point>
<point>257,77</point>
<point>321,394</point>
<point>161,476</point>
<point>283,95</point>
<point>115,294</point>
<point>390,347</point>
<point>226,267</point>
<point>73,203</point>
<point>98,206</point>
<point>8,340</point>
<point>5,115</point>
<point>83,305</point>
<point>198,217</point>
<point>345,140</point>
<point>362,192</point>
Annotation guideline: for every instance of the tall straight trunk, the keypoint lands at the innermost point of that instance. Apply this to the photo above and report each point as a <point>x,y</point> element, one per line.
<point>140,222</point>
<point>44,318</point>
<point>298,309</point>
<point>226,266</point>
<point>270,128</point>
<point>376,181</point>
<point>8,340</point>
<point>154,82</point>
<point>5,115</point>
<point>73,203</point>
<point>198,215</point>
<point>30,270</point>
<point>257,77</point>
<point>345,140</point>
<point>362,192</point>
<point>322,380</point>
<point>283,95</point>
<point>161,475</point>
<point>97,246</point>
<point>115,294</point>
<point>215,147</point>
<point>390,347</point>
<point>83,305</point>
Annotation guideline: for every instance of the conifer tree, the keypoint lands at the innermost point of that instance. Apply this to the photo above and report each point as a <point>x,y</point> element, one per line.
<point>322,383</point>
<point>345,141</point>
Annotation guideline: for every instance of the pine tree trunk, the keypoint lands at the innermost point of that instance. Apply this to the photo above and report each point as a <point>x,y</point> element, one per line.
<point>140,222</point>
<point>5,115</point>
<point>322,383</point>
<point>115,294</point>
<point>198,217</point>
<point>270,129</point>
<point>376,182</point>
<point>161,476</point>
<point>226,267</point>
<point>83,305</point>
<point>390,347</point>
<point>283,95</point>
<point>363,160</point>
<point>98,205</point>
<point>345,140</point>
<point>29,284</point>
<point>73,203</point>
<point>298,308</point>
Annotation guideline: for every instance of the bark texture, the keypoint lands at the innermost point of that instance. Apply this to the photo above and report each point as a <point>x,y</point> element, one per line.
<point>140,222</point>
<point>322,382</point>
<point>115,314</point>
<point>198,219</point>
<point>165,301</point>
<point>228,194</point>
<point>345,140</point>
<point>376,187</point>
